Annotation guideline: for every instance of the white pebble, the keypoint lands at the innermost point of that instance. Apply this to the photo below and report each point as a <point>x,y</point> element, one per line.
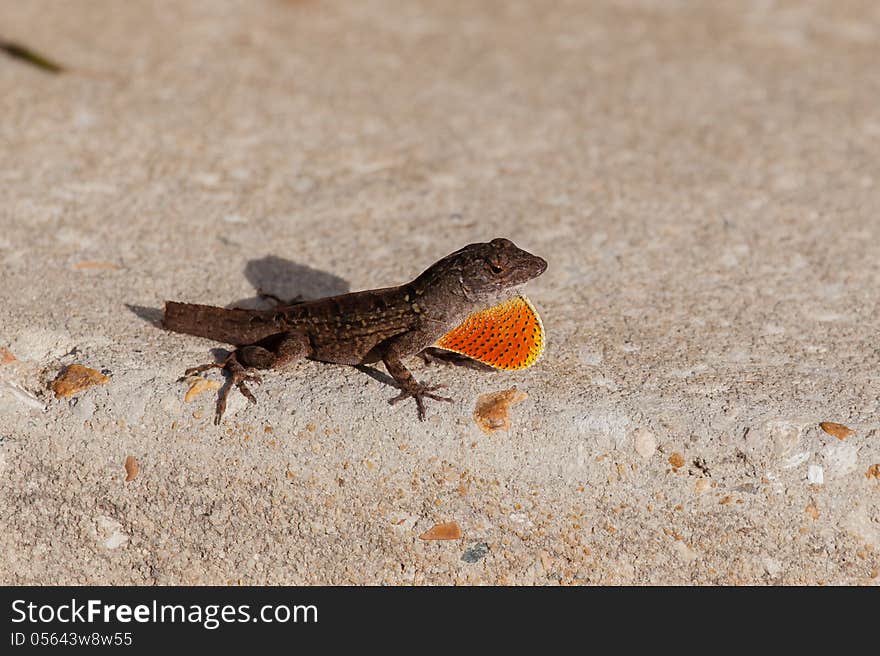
<point>109,532</point>
<point>645,443</point>
<point>772,566</point>
<point>816,475</point>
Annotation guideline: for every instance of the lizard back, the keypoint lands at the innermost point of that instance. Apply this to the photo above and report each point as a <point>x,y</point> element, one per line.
<point>344,327</point>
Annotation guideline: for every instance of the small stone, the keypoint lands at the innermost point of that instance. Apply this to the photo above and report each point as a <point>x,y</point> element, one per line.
<point>645,443</point>
<point>839,431</point>
<point>445,531</point>
<point>873,471</point>
<point>6,356</point>
<point>75,378</point>
<point>701,485</point>
<point>491,411</point>
<point>816,475</point>
<point>784,435</point>
<point>131,469</point>
<point>199,385</point>
<point>772,566</point>
<point>95,264</point>
<point>475,553</point>
<point>676,460</point>
<point>109,532</point>
<point>520,519</point>
<point>812,510</point>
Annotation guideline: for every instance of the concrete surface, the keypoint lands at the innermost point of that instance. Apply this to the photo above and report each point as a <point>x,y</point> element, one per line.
<point>703,178</point>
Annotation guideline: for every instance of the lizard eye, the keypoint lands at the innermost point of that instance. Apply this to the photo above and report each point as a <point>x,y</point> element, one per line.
<point>496,268</point>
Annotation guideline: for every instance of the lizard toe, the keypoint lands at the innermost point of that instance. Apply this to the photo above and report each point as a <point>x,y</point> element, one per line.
<point>192,371</point>
<point>419,394</point>
<point>245,391</point>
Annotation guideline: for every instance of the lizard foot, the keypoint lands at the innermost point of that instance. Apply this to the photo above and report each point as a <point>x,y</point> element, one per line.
<point>420,391</point>
<point>238,376</point>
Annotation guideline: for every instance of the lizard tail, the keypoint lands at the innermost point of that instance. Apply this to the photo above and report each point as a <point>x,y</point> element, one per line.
<point>232,326</point>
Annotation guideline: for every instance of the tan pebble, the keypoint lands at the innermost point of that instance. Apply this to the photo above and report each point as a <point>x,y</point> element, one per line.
<point>839,431</point>
<point>812,510</point>
<point>95,264</point>
<point>131,469</point>
<point>492,410</point>
<point>75,378</point>
<point>873,471</point>
<point>701,485</point>
<point>725,500</point>
<point>676,460</point>
<point>445,531</point>
<point>6,356</point>
<point>199,385</point>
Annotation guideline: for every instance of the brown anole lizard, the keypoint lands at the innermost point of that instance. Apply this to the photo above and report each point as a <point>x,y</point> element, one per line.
<point>386,324</point>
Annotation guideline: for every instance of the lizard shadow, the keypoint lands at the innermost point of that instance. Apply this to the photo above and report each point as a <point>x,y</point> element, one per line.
<point>288,281</point>
<point>274,276</point>
<point>150,315</point>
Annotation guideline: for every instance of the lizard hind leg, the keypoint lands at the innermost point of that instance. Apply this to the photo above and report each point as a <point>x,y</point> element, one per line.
<point>273,352</point>
<point>238,376</point>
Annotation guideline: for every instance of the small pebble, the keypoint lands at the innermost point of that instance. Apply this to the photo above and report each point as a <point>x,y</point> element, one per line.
<point>816,475</point>
<point>839,431</point>
<point>95,264</point>
<point>445,531</point>
<point>645,443</point>
<point>492,410</point>
<point>475,553</point>
<point>75,378</point>
<point>109,532</point>
<point>131,469</point>
<point>199,385</point>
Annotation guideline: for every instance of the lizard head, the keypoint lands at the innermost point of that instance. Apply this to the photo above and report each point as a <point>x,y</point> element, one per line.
<point>488,271</point>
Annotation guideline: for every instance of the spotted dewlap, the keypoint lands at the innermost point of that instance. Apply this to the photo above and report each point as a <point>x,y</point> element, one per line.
<point>507,336</point>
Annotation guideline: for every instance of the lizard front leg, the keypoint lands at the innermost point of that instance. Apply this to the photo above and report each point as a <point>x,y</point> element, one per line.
<point>409,386</point>
<point>273,352</point>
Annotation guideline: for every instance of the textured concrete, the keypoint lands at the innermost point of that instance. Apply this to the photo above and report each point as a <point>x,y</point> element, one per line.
<point>703,178</point>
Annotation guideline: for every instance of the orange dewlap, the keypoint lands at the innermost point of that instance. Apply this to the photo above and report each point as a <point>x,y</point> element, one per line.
<point>506,336</point>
